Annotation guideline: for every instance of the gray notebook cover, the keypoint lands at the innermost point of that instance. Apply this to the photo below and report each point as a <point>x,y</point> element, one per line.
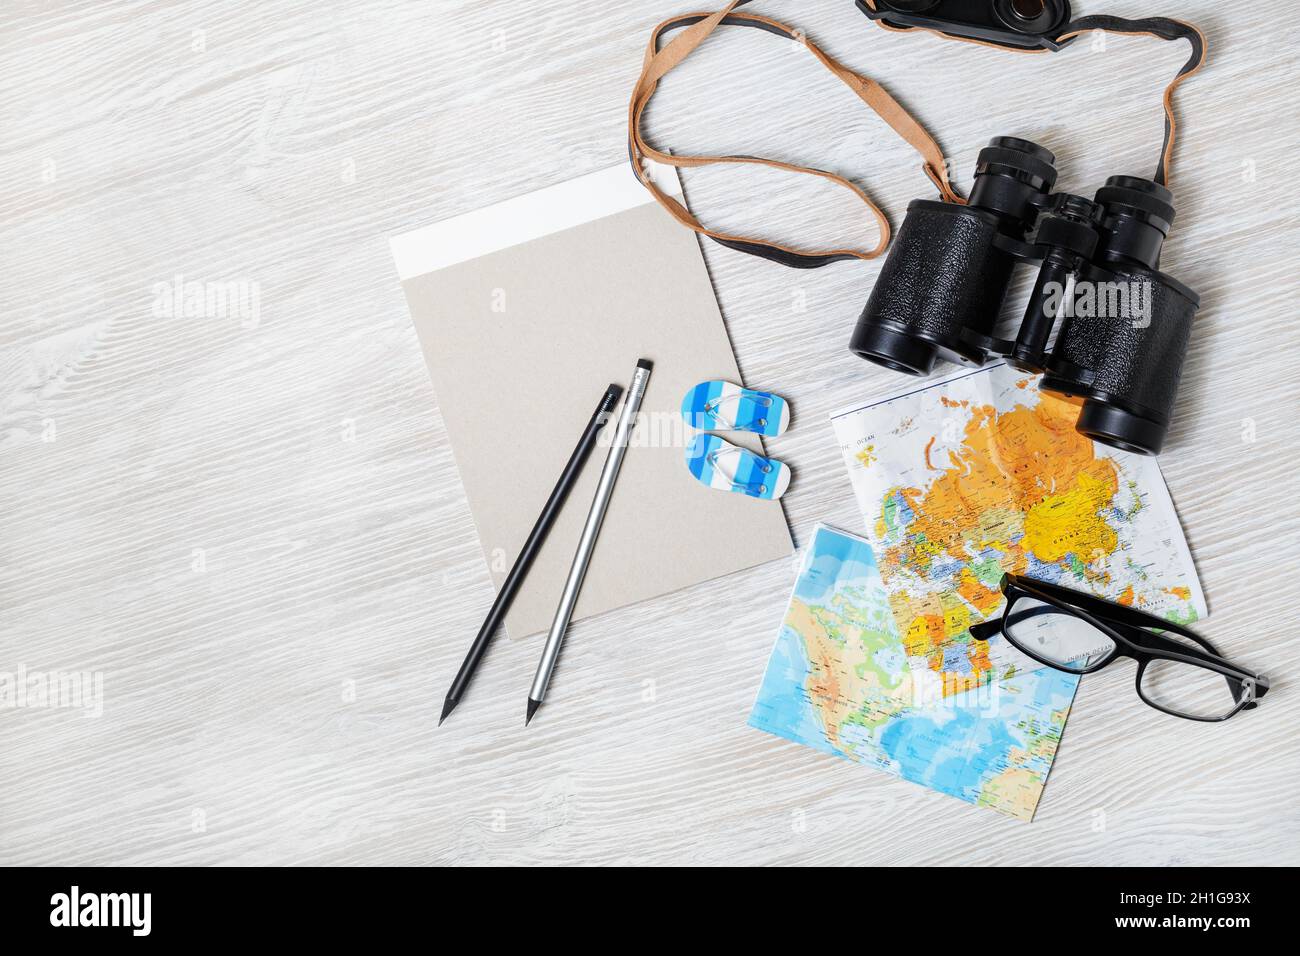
<point>526,312</point>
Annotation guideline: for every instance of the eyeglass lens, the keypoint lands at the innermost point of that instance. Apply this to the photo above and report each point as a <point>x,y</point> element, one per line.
<point>1191,690</point>
<point>1058,637</point>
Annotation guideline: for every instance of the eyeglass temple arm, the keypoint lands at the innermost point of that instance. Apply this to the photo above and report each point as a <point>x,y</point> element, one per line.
<point>1139,635</point>
<point>1110,612</point>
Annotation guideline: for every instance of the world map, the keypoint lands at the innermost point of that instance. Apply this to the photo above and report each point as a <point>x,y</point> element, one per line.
<point>957,483</point>
<point>841,680</point>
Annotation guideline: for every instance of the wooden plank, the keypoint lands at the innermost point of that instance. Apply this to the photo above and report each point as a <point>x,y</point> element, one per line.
<point>279,704</point>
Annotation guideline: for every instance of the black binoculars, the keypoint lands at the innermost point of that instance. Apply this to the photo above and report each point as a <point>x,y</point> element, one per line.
<point>1019,24</point>
<point>1123,325</point>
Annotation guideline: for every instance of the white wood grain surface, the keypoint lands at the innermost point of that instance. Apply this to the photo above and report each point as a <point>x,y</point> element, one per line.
<point>280,703</point>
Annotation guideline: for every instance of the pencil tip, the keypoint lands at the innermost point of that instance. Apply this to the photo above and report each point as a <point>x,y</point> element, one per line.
<point>532,709</point>
<point>447,707</point>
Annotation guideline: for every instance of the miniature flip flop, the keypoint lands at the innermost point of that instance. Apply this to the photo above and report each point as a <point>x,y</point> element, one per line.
<point>720,464</point>
<point>722,406</point>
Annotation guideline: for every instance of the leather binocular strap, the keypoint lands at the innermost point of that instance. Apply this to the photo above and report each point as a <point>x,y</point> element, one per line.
<point>696,28</point>
<point>1162,28</point>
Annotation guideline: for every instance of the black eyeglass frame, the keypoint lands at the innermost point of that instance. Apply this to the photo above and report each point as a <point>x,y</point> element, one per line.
<point>1129,631</point>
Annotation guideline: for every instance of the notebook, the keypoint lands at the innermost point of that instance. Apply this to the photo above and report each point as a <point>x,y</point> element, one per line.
<point>526,311</point>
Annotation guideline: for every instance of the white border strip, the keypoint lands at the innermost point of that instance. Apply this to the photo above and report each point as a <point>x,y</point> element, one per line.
<point>527,217</point>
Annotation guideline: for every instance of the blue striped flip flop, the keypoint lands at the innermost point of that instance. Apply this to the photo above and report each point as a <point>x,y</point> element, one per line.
<point>722,406</point>
<point>720,464</point>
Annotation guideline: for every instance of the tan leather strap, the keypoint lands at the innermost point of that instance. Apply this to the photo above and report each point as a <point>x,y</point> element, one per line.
<point>695,29</point>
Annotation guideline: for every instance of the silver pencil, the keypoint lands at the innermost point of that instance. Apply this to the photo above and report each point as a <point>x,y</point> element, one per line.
<point>587,542</point>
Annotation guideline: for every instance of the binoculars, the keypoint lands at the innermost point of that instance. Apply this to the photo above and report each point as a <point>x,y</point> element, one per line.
<point>1123,324</point>
<point>1019,24</point>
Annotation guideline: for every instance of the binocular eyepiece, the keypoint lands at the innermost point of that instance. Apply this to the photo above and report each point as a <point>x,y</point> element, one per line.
<point>1123,325</point>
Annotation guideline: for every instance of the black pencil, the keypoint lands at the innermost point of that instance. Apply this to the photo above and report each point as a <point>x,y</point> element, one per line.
<point>534,543</point>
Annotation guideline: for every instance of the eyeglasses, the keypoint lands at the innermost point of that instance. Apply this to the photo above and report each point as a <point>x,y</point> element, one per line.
<point>1178,671</point>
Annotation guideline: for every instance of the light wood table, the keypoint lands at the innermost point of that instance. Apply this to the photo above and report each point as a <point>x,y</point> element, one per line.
<point>253,528</point>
